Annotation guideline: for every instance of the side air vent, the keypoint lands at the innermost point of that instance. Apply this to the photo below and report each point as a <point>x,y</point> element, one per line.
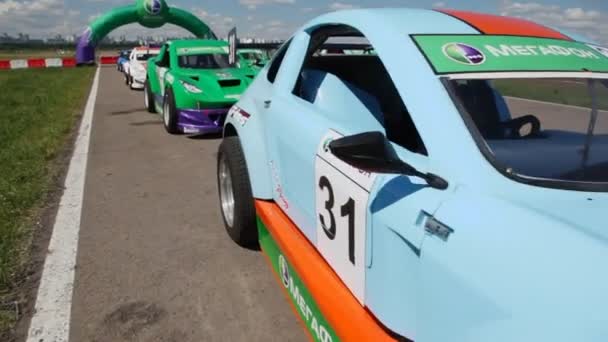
<point>196,78</point>
<point>229,83</point>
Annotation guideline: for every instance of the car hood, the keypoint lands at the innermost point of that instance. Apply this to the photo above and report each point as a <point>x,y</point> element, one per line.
<point>219,83</point>
<point>143,64</point>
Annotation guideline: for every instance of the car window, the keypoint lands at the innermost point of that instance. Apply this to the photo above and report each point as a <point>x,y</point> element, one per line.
<point>250,55</point>
<point>540,129</point>
<point>204,61</point>
<point>339,51</point>
<point>144,56</point>
<point>165,58</point>
<point>273,70</point>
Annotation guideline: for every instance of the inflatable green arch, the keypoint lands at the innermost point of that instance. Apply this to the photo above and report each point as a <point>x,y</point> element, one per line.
<point>148,13</point>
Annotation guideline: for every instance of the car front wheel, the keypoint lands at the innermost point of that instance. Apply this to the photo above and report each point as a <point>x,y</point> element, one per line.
<point>170,113</point>
<point>236,198</point>
<point>149,98</point>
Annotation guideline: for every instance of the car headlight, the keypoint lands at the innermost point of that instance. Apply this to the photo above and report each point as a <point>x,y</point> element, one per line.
<point>191,88</point>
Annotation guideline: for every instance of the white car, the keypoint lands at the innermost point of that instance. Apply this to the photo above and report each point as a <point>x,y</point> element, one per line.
<point>135,67</point>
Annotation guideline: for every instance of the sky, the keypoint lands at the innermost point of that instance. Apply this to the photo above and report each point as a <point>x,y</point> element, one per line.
<point>280,18</point>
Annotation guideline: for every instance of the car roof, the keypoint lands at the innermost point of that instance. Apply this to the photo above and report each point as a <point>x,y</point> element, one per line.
<point>443,21</point>
<point>185,43</point>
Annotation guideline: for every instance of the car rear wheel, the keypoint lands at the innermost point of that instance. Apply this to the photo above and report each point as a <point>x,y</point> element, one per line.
<point>170,113</point>
<point>236,198</point>
<point>149,98</point>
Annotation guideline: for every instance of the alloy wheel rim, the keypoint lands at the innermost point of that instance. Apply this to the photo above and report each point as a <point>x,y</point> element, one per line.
<point>166,113</point>
<point>226,192</point>
<point>146,96</point>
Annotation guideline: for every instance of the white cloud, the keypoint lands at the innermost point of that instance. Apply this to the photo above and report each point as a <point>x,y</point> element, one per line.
<point>440,4</point>
<point>253,4</point>
<point>589,23</point>
<point>219,23</point>
<point>338,6</point>
<point>39,18</point>
<point>25,8</point>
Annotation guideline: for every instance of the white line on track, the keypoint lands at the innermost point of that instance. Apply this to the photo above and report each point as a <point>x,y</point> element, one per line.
<point>51,320</point>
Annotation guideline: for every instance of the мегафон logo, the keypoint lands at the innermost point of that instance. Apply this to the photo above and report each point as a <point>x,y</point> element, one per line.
<point>463,53</point>
<point>153,6</point>
<point>284,269</point>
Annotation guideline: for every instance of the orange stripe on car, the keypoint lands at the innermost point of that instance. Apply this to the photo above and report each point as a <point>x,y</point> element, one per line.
<point>499,25</point>
<point>347,317</point>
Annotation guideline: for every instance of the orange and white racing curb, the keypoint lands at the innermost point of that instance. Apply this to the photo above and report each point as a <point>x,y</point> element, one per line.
<point>38,63</point>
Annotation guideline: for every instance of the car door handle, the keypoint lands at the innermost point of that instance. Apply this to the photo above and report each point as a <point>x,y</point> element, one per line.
<point>267,103</point>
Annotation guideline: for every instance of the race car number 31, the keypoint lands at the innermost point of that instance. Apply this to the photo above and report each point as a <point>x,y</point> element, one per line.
<point>342,193</point>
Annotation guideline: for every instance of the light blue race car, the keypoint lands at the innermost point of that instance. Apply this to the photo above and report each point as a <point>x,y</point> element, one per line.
<point>451,186</point>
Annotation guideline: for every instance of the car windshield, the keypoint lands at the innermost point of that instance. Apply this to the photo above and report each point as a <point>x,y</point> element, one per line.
<point>204,61</point>
<point>144,56</point>
<point>251,55</point>
<point>554,131</point>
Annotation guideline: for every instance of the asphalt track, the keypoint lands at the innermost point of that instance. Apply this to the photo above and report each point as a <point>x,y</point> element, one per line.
<point>154,262</point>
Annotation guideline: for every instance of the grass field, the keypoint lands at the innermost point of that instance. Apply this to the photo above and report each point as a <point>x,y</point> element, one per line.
<point>568,92</point>
<point>38,109</point>
<point>34,53</point>
<point>46,53</point>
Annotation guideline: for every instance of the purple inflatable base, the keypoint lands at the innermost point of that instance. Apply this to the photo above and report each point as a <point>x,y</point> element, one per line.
<point>85,50</point>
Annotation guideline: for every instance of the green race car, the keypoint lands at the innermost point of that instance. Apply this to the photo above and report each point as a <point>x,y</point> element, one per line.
<point>252,58</point>
<point>192,84</point>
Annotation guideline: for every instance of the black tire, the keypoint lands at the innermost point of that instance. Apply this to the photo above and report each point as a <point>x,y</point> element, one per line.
<point>149,98</point>
<point>243,228</point>
<point>127,79</point>
<point>170,113</point>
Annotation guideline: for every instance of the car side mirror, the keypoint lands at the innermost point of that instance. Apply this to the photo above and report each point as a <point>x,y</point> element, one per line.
<point>372,152</point>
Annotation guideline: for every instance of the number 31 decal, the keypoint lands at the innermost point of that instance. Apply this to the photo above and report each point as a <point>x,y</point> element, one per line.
<point>348,209</point>
<point>342,194</point>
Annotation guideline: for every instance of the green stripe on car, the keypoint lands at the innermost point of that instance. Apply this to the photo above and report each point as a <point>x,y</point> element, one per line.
<point>315,322</point>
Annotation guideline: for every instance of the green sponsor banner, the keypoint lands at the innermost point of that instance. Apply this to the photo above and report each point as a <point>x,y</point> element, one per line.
<point>483,53</point>
<point>315,322</point>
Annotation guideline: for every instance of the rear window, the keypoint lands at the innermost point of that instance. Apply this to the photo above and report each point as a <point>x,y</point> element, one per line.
<point>145,56</point>
<point>554,131</point>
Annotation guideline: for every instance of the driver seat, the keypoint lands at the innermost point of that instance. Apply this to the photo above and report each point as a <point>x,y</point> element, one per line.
<point>479,100</point>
